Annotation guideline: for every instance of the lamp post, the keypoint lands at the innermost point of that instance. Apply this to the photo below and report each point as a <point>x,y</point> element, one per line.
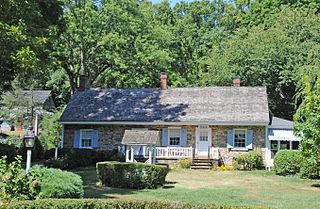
<point>29,142</point>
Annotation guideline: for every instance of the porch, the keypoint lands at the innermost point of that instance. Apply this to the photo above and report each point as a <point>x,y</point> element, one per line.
<point>171,153</point>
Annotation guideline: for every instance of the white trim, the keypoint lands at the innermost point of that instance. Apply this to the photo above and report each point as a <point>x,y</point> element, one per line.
<point>80,140</point>
<point>161,123</point>
<point>62,137</point>
<point>179,145</point>
<point>198,129</point>
<point>246,137</point>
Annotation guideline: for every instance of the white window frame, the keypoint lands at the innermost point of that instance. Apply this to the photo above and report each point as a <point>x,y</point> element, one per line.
<point>172,128</point>
<point>80,140</point>
<point>246,138</point>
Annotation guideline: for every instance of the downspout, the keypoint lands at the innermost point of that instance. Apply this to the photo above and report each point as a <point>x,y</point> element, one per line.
<point>62,136</point>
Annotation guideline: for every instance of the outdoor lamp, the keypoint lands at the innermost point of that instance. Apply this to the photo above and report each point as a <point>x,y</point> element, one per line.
<point>29,142</point>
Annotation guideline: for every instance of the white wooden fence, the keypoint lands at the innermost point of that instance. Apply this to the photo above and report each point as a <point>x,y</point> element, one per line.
<point>174,152</point>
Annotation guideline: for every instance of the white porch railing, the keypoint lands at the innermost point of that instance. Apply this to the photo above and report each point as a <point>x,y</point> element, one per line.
<point>214,153</point>
<point>174,152</point>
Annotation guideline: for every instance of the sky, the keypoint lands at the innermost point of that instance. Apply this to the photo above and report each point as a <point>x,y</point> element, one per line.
<point>173,2</point>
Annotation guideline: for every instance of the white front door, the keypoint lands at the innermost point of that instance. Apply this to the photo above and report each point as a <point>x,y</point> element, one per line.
<point>203,141</point>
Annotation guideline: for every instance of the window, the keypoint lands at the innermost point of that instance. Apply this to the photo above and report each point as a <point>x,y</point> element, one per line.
<point>295,145</point>
<point>240,138</point>
<point>174,136</point>
<point>86,138</point>
<point>284,145</point>
<point>203,136</point>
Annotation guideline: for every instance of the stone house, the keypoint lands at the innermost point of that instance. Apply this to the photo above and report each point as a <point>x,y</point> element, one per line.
<point>195,122</point>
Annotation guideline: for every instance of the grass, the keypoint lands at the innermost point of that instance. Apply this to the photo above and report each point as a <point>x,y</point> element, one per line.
<point>219,187</point>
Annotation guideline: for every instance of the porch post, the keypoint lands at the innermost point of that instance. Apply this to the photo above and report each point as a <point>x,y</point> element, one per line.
<point>290,144</point>
<point>132,154</point>
<point>154,153</point>
<point>150,154</point>
<point>127,153</point>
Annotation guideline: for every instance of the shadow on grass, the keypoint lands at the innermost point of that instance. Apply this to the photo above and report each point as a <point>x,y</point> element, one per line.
<point>316,186</point>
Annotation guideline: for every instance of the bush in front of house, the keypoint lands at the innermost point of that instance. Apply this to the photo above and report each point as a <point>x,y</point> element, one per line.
<point>73,158</point>
<point>131,175</point>
<point>8,150</point>
<point>15,183</point>
<point>116,204</point>
<point>185,163</point>
<point>310,169</point>
<point>249,161</point>
<point>287,162</point>
<point>56,183</point>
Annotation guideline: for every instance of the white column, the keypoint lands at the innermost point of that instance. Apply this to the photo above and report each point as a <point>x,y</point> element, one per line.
<point>127,153</point>
<point>132,154</point>
<point>36,125</point>
<point>28,160</point>
<point>150,154</point>
<point>290,142</point>
<point>62,136</point>
<point>56,153</point>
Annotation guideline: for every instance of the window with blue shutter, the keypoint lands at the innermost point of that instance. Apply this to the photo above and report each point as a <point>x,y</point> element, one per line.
<point>230,139</point>
<point>249,140</point>
<point>95,139</point>
<point>184,137</point>
<point>164,141</point>
<point>76,141</point>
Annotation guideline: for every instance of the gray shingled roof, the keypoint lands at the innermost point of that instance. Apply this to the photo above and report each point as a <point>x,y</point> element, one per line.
<point>39,96</point>
<point>207,104</point>
<point>281,122</point>
<point>140,137</point>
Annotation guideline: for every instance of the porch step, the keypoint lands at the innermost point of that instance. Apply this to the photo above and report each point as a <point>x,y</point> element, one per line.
<point>201,163</point>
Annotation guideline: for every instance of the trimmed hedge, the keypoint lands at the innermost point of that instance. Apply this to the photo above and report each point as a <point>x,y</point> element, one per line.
<point>287,162</point>
<point>56,183</point>
<point>249,161</point>
<point>310,169</point>
<point>131,175</point>
<point>114,204</point>
<point>73,158</point>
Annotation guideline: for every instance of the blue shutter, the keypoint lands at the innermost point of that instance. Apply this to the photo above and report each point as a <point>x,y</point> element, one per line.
<point>249,139</point>
<point>183,137</point>
<point>230,139</point>
<point>95,138</point>
<point>76,142</point>
<point>164,141</point>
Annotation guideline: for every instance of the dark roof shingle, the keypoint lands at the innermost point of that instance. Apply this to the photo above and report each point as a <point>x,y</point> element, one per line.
<point>207,104</point>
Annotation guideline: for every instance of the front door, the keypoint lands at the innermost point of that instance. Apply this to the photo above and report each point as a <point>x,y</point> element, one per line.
<point>203,141</point>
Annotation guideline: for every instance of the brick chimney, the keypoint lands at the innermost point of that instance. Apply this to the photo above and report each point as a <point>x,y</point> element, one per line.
<point>83,83</point>
<point>236,81</point>
<point>163,80</point>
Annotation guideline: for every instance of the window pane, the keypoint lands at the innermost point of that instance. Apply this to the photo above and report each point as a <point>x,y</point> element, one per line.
<point>274,145</point>
<point>284,145</point>
<point>295,145</point>
<point>203,136</point>
<point>174,136</point>
<point>240,138</point>
<point>86,138</point>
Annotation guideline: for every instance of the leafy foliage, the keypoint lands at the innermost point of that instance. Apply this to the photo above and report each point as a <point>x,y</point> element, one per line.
<point>185,163</point>
<point>249,161</point>
<point>131,175</point>
<point>56,183</point>
<point>307,127</point>
<point>287,162</point>
<point>15,183</point>
<point>115,204</point>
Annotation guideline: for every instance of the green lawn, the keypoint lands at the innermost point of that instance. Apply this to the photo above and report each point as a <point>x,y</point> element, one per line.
<point>219,187</point>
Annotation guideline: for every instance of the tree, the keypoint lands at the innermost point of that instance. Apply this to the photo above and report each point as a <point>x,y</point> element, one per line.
<point>52,129</point>
<point>307,125</point>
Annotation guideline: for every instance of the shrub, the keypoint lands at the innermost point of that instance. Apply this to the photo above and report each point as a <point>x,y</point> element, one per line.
<point>185,163</point>
<point>249,161</point>
<point>8,150</point>
<point>15,183</point>
<point>56,183</point>
<point>223,168</point>
<point>73,158</point>
<point>131,175</point>
<point>310,169</point>
<point>287,162</point>
<point>115,204</point>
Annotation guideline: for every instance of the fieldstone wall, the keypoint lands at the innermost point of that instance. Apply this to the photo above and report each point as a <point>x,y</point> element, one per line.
<point>110,137</point>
